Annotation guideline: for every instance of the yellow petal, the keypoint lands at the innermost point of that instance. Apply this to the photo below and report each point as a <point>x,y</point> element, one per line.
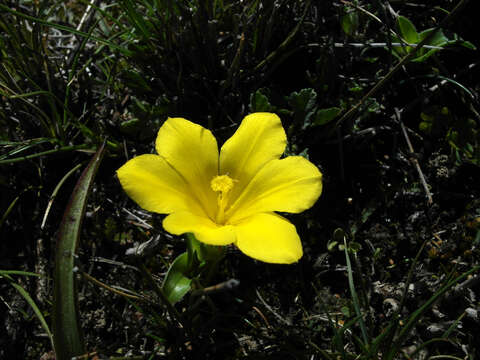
<point>290,185</point>
<point>204,229</point>
<point>152,183</point>
<point>192,151</point>
<point>270,238</point>
<point>259,139</point>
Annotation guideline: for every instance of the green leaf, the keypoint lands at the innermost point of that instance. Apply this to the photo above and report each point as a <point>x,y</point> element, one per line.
<point>338,235</point>
<point>9,210</point>
<point>259,102</point>
<point>407,30</point>
<point>355,300</point>
<point>176,284</point>
<point>68,29</point>
<point>303,101</point>
<point>354,246</point>
<point>438,39</point>
<point>414,318</point>
<point>350,22</point>
<point>303,104</point>
<point>324,116</point>
<point>467,44</point>
<point>194,252</point>
<point>345,311</point>
<point>331,245</point>
<point>55,192</point>
<point>67,335</point>
<point>131,126</point>
<point>6,273</point>
<point>426,124</point>
<point>38,313</point>
<point>136,81</point>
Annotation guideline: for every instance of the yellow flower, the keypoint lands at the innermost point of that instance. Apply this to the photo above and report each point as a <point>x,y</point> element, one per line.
<point>228,197</point>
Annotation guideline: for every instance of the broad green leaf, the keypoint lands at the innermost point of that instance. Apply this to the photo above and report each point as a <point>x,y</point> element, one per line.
<point>303,104</point>
<point>324,116</point>
<point>354,246</point>
<point>345,311</point>
<point>259,102</point>
<point>304,100</point>
<point>407,30</point>
<point>438,39</point>
<point>349,23</point>
<point>176,284</point>
<point>67,335</point>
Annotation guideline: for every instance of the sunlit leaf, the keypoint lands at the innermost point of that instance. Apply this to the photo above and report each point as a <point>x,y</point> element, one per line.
<point>176,284</point>
<point>407,30</point>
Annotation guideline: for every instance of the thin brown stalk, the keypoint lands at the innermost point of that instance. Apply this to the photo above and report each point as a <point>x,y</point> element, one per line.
<point>413,159</point>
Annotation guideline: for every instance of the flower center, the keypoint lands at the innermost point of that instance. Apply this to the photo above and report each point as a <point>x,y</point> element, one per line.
<point>222,184</point>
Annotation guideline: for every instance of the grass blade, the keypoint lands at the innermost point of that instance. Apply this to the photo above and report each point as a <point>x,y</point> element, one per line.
<point>44,153</point>
<point>28,298</point>
<point>413,319</point>
<point>67,334</point>
<point>9,210</point>
<point>55,191</point>
<point>356,303</point>
<point>66,28</point>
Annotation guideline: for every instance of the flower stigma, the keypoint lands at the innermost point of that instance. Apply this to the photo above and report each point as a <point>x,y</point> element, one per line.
<point>222,184</point>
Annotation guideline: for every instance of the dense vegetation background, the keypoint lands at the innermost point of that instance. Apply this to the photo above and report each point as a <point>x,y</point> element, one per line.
<point>75,73</point>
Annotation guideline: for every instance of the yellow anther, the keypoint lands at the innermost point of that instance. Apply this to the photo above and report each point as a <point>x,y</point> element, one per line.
<point>222,184</point>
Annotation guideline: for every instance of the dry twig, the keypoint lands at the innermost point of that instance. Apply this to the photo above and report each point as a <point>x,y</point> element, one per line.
<point>413,159</point>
